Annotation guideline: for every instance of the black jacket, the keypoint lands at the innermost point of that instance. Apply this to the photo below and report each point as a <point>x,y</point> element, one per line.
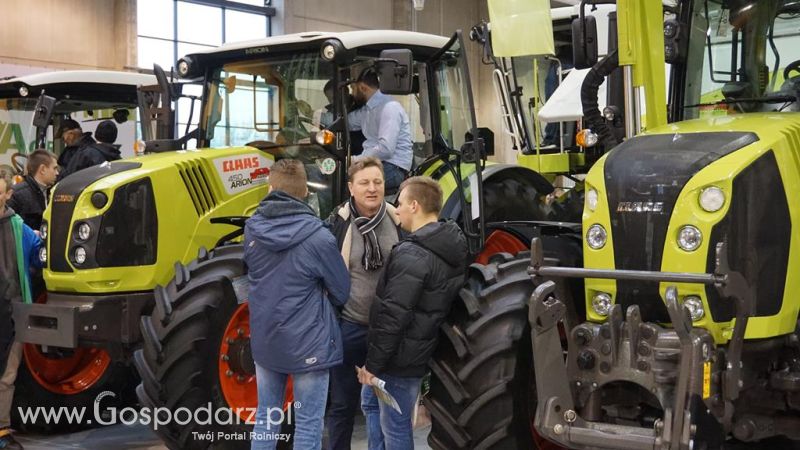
<point>91,154</point>
<point>425,272</point>
<point>28,201</point>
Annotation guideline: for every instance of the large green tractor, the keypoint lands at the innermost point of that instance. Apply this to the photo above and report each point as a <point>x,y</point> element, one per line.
<point>689,336</point>
<point>32,108</point>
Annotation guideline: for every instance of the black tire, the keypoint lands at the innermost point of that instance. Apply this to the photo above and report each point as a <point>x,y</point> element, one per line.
<point>119,378</point>
<point>482,391</point>
<point>178,363</point>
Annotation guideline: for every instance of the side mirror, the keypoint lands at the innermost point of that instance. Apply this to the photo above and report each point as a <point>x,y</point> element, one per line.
<point>43,111</point>
<point>163,83</point>
<point>395,71</point>
<point>487,136</point>
<point>584,42</point>
<point>42,114</point>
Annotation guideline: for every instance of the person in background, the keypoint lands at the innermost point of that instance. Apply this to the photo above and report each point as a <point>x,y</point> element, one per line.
<point>297,278</point>
<point>19,251</point>
<point>386,129</point>
<point>96,153</point>
<point>425,271</point>
<point>31,194</point>
<point>74,139</point>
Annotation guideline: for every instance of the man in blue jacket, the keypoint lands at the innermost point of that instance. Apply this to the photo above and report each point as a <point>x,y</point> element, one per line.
<point>19,250</point>
<point>296,276</point>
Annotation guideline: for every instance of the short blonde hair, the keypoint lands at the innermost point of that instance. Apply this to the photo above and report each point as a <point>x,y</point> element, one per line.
<point>426,191</point>
<point>289,176</point>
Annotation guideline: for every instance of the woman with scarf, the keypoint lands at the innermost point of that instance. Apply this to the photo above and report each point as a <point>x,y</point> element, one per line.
<point>366,228</point>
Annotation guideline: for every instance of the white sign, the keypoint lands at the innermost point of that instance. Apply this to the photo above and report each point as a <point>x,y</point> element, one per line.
<point>242,172</point>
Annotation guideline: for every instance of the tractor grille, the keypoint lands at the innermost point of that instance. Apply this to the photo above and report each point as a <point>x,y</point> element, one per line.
<point>200,190</point>
<point>653,170</point>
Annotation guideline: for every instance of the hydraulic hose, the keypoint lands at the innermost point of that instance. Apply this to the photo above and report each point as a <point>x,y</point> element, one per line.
<point>591,108</point>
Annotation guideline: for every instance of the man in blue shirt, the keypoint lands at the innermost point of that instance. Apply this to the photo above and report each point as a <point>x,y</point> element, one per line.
<point>385,125</point>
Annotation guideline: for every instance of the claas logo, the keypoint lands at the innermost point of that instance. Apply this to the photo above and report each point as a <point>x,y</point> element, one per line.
<point>261,172</point>
<point>240,164</point>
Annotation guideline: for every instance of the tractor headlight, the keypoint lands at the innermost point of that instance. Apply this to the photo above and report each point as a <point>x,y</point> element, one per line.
<point>23,91</point>
<point>43,255</point>
<point>79,255</point>
<point>689,238</point>
<point>712,199</point>
<point>43,230</point>
<point>591,199</point>
<point>601,304</point>
<point>328,52</point>
<point>695,306</point>
<point>586,138</point>
<point>84,231</point>
<point>185,67</point>
<point>596,236</point>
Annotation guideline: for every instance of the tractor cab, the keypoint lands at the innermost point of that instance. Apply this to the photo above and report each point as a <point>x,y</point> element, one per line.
<point>292,98</point>
<point>32,108</point>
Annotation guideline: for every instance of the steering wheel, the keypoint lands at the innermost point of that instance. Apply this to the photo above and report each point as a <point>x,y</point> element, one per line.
<point>793,66</point>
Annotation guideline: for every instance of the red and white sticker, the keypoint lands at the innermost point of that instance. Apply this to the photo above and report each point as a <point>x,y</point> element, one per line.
<point>242,172</point>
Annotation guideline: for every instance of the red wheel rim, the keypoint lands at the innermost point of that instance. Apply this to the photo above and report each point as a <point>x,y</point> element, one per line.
<point>498,242</point>
<point>67,375</point>
<point>239,387</point>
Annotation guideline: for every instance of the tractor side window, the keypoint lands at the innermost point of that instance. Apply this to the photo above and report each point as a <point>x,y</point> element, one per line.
<point>455,116</point>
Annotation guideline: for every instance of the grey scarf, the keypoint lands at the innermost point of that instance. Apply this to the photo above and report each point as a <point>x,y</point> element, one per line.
<point>372,259</point>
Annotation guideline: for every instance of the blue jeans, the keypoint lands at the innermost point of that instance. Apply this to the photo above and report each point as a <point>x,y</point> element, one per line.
<point>386,429</point>
<point>310,396</point>
<point>393,176</point>
<point>345,388</point>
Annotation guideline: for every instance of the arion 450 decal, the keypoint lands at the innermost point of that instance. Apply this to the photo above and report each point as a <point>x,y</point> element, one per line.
<point>238,173</point>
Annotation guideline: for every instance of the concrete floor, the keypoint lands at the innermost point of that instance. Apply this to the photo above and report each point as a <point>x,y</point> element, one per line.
<point>139,437</point>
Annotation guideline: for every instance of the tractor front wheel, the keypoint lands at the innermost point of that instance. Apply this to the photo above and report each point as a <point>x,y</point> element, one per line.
<point>196,354</point>
<point>483,388</point>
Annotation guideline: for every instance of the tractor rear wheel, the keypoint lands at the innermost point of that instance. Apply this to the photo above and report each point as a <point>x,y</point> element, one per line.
<point>483,391</point>
<point>196,352</point>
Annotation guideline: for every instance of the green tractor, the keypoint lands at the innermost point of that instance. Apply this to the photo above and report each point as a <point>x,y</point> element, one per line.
<point>32,107</point>
<point>687,337</point>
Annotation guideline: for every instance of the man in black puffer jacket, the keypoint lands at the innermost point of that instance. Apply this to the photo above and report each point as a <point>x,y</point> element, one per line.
<point>425,272</point>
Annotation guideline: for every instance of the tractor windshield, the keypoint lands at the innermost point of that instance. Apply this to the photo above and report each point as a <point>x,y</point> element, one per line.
<point>18,135</point>
<point>275,101</point>
<point>742,57</point>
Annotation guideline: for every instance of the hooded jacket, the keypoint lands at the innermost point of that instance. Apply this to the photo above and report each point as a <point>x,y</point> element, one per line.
<point>12,288</point>
<point>296,277</point>
<point>65,160</point>
<point>28,200</point>
<point>92,154</point>
<point>425,272</point>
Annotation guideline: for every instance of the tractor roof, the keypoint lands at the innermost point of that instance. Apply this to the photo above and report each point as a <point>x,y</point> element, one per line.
<point>350,40</point>
<point>78,90</point>
<point>83,76</point>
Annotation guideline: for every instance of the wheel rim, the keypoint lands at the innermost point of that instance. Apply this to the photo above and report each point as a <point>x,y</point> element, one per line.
<point>498,242</point>
<point>237,375</point>
<point>66,374</point>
